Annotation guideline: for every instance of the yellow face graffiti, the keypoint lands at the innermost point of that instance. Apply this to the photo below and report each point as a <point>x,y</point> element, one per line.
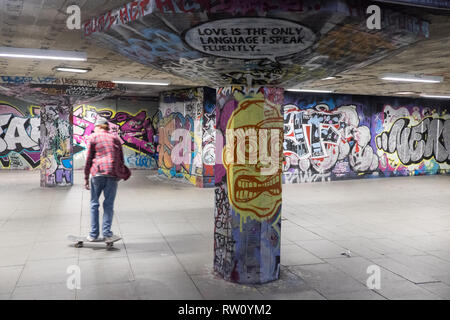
<point>253,164</point>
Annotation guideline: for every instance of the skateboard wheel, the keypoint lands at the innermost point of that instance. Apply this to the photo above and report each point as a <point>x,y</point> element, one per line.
<point>79,245</point>
<point>109,245</point>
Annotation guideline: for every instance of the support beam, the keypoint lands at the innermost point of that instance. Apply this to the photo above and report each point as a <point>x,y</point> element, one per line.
<point>56,146</point>
<point>248,184</point>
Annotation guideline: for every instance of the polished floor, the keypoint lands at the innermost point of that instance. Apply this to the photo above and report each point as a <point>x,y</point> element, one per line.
<point>331,234</point>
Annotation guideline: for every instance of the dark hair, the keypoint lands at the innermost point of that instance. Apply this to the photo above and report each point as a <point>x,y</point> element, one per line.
<point>103,126</point>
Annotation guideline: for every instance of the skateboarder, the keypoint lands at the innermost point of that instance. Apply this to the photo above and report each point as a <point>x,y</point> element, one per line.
<point>105,164</point>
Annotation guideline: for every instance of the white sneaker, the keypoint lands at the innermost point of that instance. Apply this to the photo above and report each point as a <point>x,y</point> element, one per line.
<point>112,238</point>
<point>90,239</point>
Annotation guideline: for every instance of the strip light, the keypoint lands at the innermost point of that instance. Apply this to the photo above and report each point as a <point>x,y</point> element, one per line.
<point>144,83</point>
<point>26,53</point>
<point>407,93</point>
<point>434,96</point>
<point>310,90</point>
<point>70,69</point>
<point>412,78</point>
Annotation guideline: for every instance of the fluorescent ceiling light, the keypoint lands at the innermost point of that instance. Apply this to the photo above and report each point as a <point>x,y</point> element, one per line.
<point>411,78</point>
<point>434,96</point>
<point>409,93</point>
<point>70,69</point>
<point>310,90</point>
<point>42,54</point>
<point>144,83</point>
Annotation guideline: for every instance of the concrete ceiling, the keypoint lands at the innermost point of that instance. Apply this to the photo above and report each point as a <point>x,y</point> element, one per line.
<point>430,57</point>
<point>42,24</point>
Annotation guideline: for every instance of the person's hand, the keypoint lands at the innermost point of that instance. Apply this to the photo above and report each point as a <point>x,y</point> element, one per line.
<point>86,184</point>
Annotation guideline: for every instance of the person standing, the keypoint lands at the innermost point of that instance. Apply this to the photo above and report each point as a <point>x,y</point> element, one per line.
<point>105,165</point>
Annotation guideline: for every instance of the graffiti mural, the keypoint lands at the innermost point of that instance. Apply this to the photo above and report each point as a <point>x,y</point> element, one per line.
<point>248,198</point>
<point>413,140</point>
<point>7,79</point>
<point>342,136</point>
<point>137,132</point>
<point>318,138</point>
<point>209,136</point>
<point>57,91</point>
<point>249,42</point>
<point>56,146</point>
<point>187,135</point>
<point>60,86</point>
<point>19,137</point>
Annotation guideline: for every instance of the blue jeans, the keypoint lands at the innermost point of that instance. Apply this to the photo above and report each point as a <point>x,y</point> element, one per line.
<point>109,187</point>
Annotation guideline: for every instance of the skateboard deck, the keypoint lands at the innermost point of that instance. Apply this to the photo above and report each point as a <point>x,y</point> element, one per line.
<point>80,240</point>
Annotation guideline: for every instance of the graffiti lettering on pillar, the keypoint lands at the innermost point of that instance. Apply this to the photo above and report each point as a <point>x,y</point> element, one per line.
<point>250,38</point>
<point>167,165</point>
<point>318,141</point>
<point>223,240</point>
<point>209,136</point>
<point>181,135</point>
<point>248,202</point>
<point>19,138</point>
<point>251,192</point>
<point>136,131</point>
<point>56,146</point>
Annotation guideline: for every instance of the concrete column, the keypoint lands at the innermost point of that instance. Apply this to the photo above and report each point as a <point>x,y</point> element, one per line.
<point>56,146</point>
<point>248,172</point>
<point>187,135</point>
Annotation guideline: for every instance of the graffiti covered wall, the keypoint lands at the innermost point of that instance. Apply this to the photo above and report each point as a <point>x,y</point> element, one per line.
<point>135,125</point>
<point>19,134</point>
<point>135,122</point>
<point>348,136</point>
<point>247,213</point>
<point>209,136</point>
<point>187,135</point>
<point>56,146</point>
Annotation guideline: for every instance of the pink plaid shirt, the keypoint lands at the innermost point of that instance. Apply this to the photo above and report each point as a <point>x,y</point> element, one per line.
<point>105,156</point>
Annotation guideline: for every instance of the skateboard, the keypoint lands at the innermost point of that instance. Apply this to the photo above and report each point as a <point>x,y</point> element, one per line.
<point>79,241</point>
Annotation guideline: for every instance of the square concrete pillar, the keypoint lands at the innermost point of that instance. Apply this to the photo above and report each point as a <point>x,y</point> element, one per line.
<point>187,135</point>
<point>248,181</point>
<point>56,146</point>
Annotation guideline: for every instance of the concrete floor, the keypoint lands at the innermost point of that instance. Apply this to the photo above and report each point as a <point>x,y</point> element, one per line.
<point>401,225</point>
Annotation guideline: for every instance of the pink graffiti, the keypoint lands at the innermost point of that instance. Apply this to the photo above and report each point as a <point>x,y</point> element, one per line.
<point>134,131</point>
<point>88,126</point>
